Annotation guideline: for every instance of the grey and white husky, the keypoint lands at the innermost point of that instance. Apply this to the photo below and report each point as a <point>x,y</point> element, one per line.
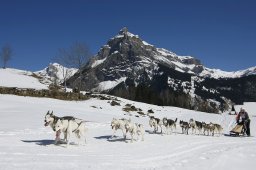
<point>70,126</point>
<point>119,124</point>
<point>135,129</point>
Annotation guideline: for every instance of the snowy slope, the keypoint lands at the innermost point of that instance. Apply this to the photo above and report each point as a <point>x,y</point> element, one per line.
<point>37,80</point>
<point>26,144</point>
<point>206,72</point>
<point>19,78</point>
<point>217,73</point>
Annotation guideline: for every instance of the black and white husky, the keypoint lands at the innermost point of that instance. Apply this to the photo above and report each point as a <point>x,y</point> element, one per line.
<point>51,119</point>
<point>169,124</point>
<point>184,126</point>
<point>155,123</point>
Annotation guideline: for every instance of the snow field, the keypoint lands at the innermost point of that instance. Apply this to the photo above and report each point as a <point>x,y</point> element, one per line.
<point>26,144</point>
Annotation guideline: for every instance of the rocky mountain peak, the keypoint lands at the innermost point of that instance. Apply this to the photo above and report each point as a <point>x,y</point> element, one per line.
<point>131,68</point>
<point>123,31</point>
<point>128,56</point>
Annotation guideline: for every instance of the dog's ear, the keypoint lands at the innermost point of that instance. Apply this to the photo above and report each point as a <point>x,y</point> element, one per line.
<point>52,113</point>
<point>47,112</point>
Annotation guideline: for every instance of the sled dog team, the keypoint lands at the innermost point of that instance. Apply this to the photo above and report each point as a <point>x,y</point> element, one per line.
<point>201,127</point>
<point>69,125</point>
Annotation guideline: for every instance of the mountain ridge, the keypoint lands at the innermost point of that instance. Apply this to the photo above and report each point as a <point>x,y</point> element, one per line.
<point>148,55</point>
<point>129,67</point>
<point>182,63</point>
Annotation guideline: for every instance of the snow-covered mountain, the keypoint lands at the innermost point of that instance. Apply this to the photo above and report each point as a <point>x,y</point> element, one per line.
<point>127,55</point>
<point>129,67</point>
<point>136,54</point>
<point>55,73</point>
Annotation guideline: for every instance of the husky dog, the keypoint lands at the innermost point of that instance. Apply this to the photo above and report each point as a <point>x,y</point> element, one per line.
<point>209,128</point>
<point>195,125</point>
<point>135,129</point>
<point>119,124</point>
<point>70,126</point>
<point>169,123</point>
<point>51,119</point>
<point>155,122</point>
<point>206,128</point>
<point>218,128</point>
<point>184,126</point>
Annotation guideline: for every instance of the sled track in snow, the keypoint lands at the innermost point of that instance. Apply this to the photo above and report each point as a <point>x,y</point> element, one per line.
<point>202,151</point>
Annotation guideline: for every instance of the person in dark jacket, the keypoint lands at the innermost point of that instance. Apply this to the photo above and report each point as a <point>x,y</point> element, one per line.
<point>243,119</point>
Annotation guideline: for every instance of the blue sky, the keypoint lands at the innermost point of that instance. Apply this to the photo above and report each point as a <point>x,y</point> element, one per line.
<point>221,33</point>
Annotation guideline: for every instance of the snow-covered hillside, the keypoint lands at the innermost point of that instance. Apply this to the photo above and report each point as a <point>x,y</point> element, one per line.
<point>26,144</point>
<point>19,78</point>
<point>36,80</point>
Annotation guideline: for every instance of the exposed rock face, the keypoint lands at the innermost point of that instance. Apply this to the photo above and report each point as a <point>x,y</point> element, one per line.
<point>129,67</point>
<point>127,56</point>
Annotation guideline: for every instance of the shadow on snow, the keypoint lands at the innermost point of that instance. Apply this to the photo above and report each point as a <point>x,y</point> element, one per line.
<point>43,142</point>
<point>109,139</point>
<point>46,142</point>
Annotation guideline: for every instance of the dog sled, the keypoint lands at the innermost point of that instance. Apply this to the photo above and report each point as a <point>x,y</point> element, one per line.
<point>238,130</point>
